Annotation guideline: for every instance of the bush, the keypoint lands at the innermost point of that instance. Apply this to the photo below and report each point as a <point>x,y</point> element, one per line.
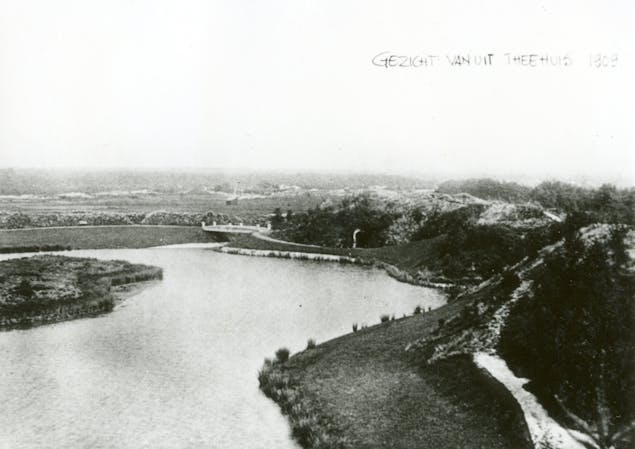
<point>384,318</point>
<point>418,310</point>
<point>24,289</point>
<point>310,344</point>
<point>510,280</point>
<point>282,355</point>
<point>354,327</point>
<point>575,336</point>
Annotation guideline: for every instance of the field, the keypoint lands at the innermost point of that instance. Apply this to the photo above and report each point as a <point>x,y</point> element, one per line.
<point>104,236</point>
<point>172,202</point>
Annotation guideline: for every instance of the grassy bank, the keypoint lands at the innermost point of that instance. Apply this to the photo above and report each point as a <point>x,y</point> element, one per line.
<point>101,237</point>
<point>251,242</point>
<point>297,255</point>
<point>364,390</point>
<point>45,289</point>
<point>402,262</point>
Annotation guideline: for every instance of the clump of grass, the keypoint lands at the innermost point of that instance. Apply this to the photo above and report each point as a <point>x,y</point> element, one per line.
<point>310,344</point>
<point>418,310</point>
<point>282,355</point>
<point>306,427</point>
<point>354,327</point>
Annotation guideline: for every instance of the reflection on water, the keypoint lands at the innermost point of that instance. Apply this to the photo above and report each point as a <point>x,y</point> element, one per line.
<point>175,366</point>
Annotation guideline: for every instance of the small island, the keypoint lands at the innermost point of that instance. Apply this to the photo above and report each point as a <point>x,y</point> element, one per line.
<point>46,289</point>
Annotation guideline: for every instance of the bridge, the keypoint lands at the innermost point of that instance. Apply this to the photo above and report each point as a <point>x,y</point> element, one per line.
<point>234,229</point>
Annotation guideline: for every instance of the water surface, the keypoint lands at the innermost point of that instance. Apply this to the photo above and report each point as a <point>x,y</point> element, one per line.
<point>175,366</point>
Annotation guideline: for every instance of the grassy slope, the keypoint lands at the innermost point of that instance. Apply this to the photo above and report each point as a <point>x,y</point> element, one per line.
<point>383,396</point>
<point>251,242</point>
<point>105,236</point>
<point>408,256</point>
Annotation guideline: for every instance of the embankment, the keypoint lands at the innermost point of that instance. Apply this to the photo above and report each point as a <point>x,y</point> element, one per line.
<point>290,255</point>
<point>365,390</point>
<point>394,260</point>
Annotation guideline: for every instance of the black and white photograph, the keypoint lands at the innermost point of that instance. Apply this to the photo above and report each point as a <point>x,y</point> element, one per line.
<point>317,224</point>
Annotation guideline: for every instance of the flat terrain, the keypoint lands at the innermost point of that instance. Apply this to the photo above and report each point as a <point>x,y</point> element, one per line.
<point>174,202</point>
<point>104,236</point>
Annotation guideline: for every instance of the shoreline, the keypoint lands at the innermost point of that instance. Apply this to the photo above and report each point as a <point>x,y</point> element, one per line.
<point>298,255</point>
<point>78,313</point>
<point>260,245</point>
<point>363,390</point>
<point>67,288</point>
<point>149,236</point>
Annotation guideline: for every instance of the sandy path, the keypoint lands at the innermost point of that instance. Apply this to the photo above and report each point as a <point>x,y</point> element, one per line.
<point>542,428</point>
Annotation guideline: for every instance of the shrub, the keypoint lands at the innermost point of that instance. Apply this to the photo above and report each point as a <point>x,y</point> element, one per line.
<point>24,289</point>
<point>354,327</point>
<point>510,280</point>
<point>418,310</point>
<point>310,344</point>
<point>384,318</point>
<point>282,355</point>
<point>453,292</point>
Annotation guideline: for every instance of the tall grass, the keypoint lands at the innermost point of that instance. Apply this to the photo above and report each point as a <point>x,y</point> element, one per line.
<point>306,426</point>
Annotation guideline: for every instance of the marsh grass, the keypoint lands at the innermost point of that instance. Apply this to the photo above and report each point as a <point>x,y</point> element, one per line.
<point>306,427</point>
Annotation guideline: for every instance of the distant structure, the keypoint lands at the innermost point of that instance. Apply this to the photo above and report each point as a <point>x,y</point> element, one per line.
<point>357,231</point>
<point>234,200</point>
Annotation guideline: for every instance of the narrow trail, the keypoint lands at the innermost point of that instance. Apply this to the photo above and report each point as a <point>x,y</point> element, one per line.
<point>261,236</point>
<point>543,429</point>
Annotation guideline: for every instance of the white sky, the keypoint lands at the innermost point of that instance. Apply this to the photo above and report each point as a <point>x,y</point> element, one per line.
<point>290,84</point>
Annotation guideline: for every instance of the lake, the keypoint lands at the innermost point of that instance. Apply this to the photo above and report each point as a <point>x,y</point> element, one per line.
<point>176,365</point>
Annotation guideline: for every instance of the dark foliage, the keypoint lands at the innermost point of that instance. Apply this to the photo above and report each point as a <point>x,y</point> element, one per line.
<point>576,336</point>
<point>469,249</point>
<point>24,289</point>
<point>607,204</point>
<point>487,189</point>
<point>282,355</point>
<point>334,226</point>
